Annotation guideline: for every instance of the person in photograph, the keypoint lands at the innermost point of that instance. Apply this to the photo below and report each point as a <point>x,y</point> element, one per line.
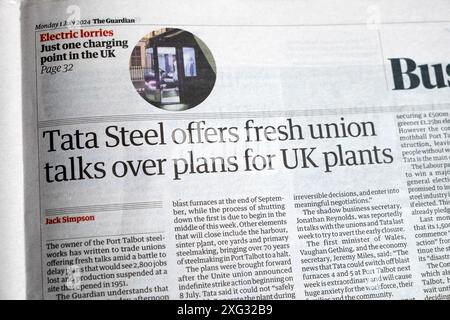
<point>175,71</point>
<point>190,68</point>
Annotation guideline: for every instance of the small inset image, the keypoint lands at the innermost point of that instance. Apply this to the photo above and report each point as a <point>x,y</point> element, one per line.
<point>172,69</point>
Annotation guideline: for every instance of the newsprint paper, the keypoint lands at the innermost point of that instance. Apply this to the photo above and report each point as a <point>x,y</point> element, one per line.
<point>256,150</point>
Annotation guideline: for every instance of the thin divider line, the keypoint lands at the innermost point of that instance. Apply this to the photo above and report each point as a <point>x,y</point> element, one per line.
<point>100,208</point>
<point>380,43</point>
<point>38,165</point>
<point>60,213</point>
<point>108,235</point>
<point>239,115</point>
<point>348,24</point>
<point>106,207</point>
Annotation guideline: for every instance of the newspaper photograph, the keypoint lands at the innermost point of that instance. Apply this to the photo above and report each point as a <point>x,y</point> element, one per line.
<point>227,150</point>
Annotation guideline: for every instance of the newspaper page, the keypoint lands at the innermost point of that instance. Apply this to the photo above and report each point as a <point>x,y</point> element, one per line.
<point>12,254</point>
<point>237,149</point>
